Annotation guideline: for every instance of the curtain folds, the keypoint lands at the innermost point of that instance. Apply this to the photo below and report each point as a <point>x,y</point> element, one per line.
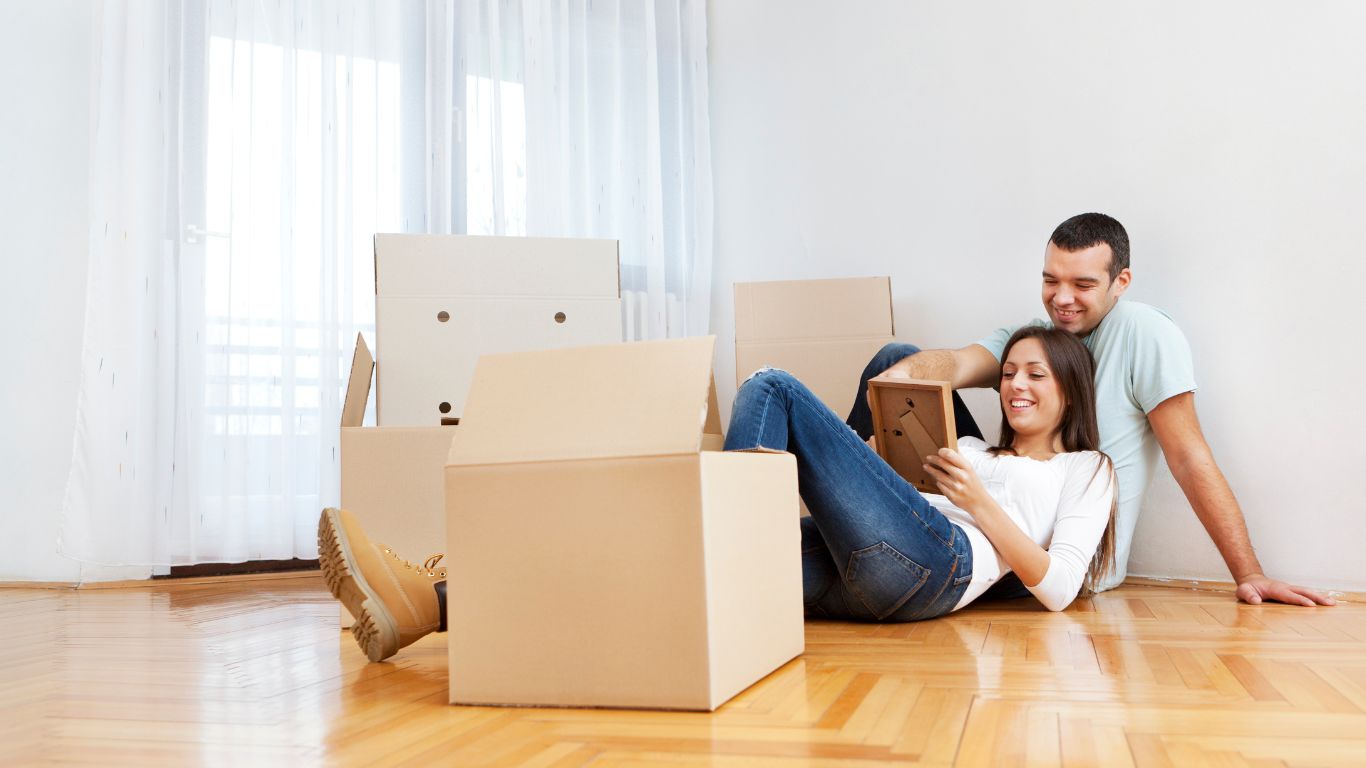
<point>617,144</point>
<point>243,156</point>
<point>123,481</point>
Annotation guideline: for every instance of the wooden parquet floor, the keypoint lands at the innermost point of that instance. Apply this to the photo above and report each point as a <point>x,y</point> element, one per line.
<point>254,672</point>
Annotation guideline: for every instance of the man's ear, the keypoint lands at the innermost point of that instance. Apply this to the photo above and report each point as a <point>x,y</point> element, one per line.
<point>1121,282</point>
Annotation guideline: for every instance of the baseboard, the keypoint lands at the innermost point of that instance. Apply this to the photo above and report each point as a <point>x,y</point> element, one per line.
<point>1132,581</point>
<point>39,584</point>
<point>1224,586</point>
<point>161,583</point>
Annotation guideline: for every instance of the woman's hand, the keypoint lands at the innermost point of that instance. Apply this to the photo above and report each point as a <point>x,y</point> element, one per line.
<point>957,480</point>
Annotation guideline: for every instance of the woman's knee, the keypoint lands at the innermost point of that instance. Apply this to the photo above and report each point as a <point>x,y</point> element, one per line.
<point>769,378</point>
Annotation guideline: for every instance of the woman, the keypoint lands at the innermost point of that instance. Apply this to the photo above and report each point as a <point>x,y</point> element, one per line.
<point>1041,504</point>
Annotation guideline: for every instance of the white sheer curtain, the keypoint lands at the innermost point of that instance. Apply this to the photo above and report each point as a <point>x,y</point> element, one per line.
<point>613,94</point>
<point>119,494</point>
<point>243,156</point>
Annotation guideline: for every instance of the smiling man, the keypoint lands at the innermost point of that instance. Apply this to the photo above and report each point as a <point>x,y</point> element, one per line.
<point>1145,394</point>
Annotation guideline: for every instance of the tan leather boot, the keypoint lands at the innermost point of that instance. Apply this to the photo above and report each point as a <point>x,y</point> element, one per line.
<point>393,601</point>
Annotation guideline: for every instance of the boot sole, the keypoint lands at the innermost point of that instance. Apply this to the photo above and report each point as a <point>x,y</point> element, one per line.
<point>374,627</point>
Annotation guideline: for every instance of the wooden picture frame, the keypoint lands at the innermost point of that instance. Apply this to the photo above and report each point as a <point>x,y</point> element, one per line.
<point>912,418</point>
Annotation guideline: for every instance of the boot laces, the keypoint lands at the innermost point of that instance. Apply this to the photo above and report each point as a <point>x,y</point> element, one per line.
<point>427,568</point>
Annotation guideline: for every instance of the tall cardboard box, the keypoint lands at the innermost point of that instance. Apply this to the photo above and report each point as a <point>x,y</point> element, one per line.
<point>443,300</point>
<point>603,551</point>
<point>392,478</point>
<point>821,331</point>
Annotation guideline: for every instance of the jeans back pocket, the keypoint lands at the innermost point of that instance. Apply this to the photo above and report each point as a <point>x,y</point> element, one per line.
<point>883,578</point>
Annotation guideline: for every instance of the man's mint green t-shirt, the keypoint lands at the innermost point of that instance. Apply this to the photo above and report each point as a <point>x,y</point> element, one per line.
<point>1142,359</point>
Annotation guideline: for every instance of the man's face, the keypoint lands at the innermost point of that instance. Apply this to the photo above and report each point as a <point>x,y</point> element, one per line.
<point>1077,289</point>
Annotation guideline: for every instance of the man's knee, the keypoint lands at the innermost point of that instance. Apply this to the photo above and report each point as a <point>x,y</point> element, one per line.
<point>889,355</point>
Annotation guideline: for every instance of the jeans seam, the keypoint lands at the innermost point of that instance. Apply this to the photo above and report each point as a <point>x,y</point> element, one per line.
<point>759,430</point>
<point>931,603</point>
<point>758,440</point>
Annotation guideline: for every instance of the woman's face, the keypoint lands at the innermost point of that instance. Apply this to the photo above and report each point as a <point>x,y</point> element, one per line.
<point>1030,395</point>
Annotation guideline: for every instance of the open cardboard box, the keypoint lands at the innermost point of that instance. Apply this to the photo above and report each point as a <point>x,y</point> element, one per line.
<point>822,331</point>
<point>391,477</point>
<point>603,551</point>
<point>443,300</point>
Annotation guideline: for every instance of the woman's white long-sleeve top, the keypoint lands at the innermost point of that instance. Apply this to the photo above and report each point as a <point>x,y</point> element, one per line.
<point>1061,504</point>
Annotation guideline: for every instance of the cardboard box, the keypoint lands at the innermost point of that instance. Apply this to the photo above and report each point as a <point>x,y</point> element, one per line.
<point>603,552</point>
<point>392,478</point>
<point>443,300</point>
<point>821,331</point>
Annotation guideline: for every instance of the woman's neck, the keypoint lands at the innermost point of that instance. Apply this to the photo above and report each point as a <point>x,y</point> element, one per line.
<point>1041,447</point>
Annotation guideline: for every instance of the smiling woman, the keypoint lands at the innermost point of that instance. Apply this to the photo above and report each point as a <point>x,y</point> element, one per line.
<point>1041,504</point>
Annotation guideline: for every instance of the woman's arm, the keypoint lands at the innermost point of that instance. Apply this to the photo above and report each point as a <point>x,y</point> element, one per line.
<point>1054,575</point>
<point>961,485</point>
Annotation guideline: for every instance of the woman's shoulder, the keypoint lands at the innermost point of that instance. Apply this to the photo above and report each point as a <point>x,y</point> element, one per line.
<point>1087,467</point>
<point>1085,459</point>
<point>972,445</point>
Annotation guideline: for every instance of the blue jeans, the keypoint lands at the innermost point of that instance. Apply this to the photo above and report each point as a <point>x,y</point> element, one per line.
<point>873,549</point>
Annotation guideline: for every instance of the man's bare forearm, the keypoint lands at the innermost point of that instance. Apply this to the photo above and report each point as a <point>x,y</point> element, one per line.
<point>932,364</point>
<point>971,366</point>
<point>1192,463</point>
<point>1217,508</point>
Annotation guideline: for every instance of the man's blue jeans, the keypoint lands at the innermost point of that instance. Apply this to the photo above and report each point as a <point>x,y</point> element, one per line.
<point>873,549</point>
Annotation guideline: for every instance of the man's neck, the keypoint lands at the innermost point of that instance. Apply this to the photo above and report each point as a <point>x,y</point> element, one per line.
<point>1086,336</point>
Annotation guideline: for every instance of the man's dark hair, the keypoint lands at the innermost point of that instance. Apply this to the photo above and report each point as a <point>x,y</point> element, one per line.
<point>1087,229</point>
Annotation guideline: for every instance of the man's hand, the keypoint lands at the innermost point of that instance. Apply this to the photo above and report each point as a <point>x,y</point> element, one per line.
<point>1192,464</point>
<point>1257,588</point>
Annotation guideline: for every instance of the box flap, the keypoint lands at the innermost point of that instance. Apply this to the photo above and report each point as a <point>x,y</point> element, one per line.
<point>713,422</point>
<point>358,386</point>
<point>476,265</point>
<point>813,309</point>
<point>638,399</point>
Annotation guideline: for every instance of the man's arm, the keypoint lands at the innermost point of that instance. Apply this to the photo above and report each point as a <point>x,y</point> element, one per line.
<point>1192,463</point>
<point>966,368</point>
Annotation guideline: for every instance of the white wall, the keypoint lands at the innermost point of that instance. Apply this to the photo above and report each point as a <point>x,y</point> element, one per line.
<point>940,143</point>
<point>45,59</point>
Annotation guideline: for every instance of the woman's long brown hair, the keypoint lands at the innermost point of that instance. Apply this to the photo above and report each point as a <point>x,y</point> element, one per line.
<point>1075,371</point>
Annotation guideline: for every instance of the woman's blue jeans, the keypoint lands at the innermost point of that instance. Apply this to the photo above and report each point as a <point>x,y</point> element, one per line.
<point>873,549</point>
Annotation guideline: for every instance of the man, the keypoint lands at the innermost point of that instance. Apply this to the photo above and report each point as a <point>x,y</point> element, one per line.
<point>1145,394</point>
